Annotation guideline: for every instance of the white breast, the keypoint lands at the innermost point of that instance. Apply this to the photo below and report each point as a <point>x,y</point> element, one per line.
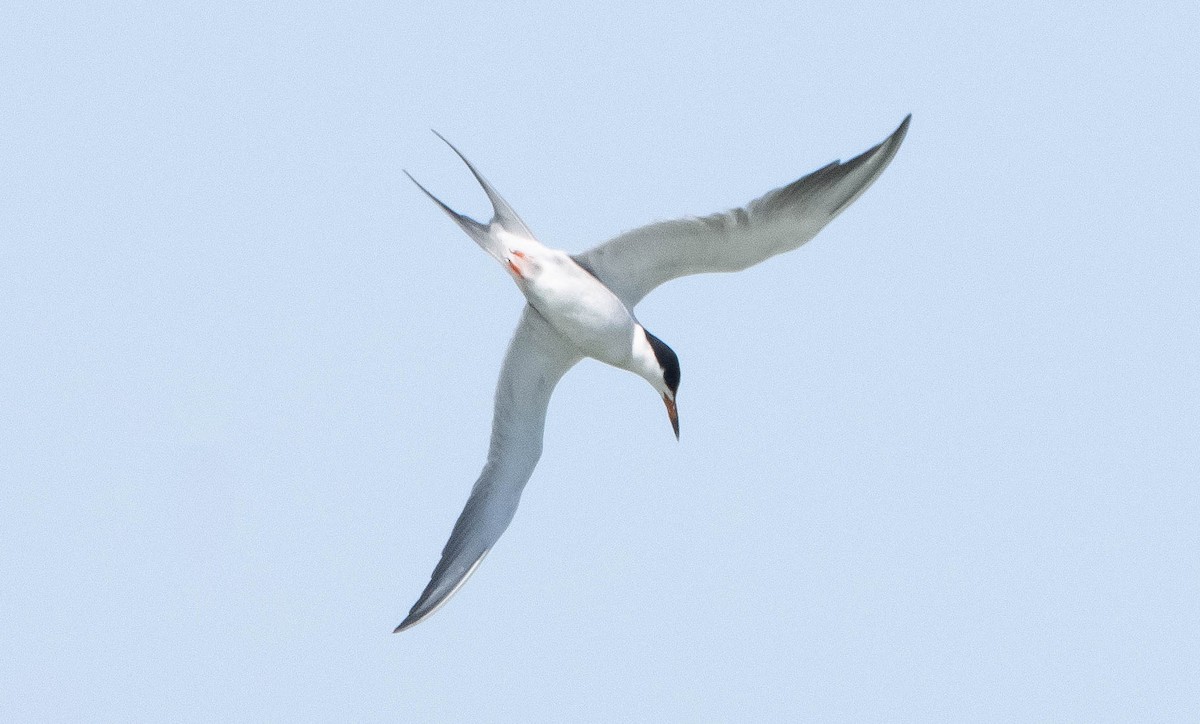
<point>579,306</point>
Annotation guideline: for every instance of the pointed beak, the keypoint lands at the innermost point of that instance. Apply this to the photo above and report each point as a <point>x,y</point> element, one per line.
<point>673,414</point>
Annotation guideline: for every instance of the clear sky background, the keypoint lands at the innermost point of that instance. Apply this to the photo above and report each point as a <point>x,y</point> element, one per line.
<point>939,464</point>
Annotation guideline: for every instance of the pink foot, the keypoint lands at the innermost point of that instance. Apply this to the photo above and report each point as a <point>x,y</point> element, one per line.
<point>512,265</point>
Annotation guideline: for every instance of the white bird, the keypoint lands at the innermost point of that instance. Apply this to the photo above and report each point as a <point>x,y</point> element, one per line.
<point>582,306</point>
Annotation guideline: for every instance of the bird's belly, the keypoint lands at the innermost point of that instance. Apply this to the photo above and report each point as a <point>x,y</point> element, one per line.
<point>585,312</point>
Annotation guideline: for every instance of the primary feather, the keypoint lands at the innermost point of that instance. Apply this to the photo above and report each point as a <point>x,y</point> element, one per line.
<point>636,262</point>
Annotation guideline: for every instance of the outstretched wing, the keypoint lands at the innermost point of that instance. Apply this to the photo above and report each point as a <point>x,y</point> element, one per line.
<point>537,358</point>
<point>636,262</point>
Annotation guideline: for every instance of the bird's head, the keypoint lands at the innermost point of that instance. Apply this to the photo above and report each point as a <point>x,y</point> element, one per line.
<point>659,365</point>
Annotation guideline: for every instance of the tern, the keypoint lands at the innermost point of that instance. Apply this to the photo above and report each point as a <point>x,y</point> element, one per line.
<point>582,306</point>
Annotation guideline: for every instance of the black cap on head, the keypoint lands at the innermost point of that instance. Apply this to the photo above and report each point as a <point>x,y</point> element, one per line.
<point>667,360</point>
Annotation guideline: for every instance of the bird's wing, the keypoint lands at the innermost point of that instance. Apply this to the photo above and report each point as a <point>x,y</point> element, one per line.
<point>537,358</point>
<point>636,262</point>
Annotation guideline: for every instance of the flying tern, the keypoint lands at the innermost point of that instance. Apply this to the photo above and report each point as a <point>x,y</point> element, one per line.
<point>582,306</point>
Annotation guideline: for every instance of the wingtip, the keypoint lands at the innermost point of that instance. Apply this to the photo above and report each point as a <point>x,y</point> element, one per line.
<point>902,130</point>
<point>413,618</point>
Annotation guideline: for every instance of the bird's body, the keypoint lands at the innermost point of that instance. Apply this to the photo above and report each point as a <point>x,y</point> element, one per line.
<point>576,304</point>
<point>582,306</point>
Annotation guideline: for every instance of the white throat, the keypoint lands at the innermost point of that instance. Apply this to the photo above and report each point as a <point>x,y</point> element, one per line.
<point>644,363</point>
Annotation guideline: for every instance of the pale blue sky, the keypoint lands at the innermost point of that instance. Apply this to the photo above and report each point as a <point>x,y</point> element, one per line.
<point>939,464</point>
